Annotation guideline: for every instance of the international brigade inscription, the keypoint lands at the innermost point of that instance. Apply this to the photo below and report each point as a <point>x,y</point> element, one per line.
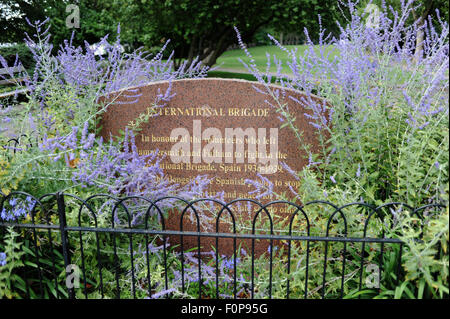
<point>223,128</point>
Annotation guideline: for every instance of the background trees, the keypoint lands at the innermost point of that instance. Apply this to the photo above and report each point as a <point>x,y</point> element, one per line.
<point>96,19</point>
<point>196,28</point>
<point>205,28</point>
<point>421,10</point>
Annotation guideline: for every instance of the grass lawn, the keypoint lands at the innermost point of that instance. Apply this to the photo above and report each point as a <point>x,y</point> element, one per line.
<point>229,59</point>
<point>234,75</point>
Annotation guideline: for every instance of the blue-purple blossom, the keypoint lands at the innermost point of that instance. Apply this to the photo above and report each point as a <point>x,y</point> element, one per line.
<point>263,187</point>
<point>163,293</point>
<point>290,170</point>
<point>356,73</point>
<point>17,209</point>
<point>2,259</point>
<point>229,262</point>
<point>115,167</point>
<point>269,249</point>
<point>311,162</point>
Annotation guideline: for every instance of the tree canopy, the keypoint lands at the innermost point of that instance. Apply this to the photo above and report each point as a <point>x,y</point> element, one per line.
<point>95,15</point>
<point>205,28</point>
<point>195,28</point>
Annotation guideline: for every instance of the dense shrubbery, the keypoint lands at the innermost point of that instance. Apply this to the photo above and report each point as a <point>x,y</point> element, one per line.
<point>384,139</point>
<point>59,150</point>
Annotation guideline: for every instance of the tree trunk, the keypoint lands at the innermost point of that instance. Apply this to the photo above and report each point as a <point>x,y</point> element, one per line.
<point>192,50</point>
<point>210,50</point>
<point>220,48</point>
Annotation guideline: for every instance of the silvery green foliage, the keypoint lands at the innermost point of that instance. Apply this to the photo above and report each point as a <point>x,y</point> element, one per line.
<point>9,260</point>
<point>62,114</point>
<point>383,125</point>
<point>383,131</point>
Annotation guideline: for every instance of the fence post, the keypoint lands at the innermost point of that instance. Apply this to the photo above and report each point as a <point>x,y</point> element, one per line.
<point>64,239</point>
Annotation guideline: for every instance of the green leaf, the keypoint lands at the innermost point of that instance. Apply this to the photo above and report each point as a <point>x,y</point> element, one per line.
<point>421,289</point>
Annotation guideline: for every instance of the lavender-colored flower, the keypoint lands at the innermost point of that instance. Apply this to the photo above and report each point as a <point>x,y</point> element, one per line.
<point>116,167</point>
<point>263,187</point>
<point>358,171</point>
<point>18,209</point>
<point>269,249</point>
<point>163,293</point>
<point>290,170</point>
<point>229,262</point>
<point>332,179</point>
<point>311,161</point>
<point>2,259</point>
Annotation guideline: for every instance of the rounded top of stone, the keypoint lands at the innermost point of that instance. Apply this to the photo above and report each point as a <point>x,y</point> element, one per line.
<point>275,86</point>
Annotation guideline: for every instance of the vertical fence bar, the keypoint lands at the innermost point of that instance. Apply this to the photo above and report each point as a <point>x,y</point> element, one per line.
<point>270,268</point>
<point>253,269</point>
<point>148,262</point>
<point>50,237</point>
<point>27,284</point>
<point>288,266</point>
<point>217,266</point>
<point>83,267</point>
<point>99,264</point>
<point>182,264</point>
<point>64,238</point>
<point>199,264</point>
<point>116,266</point>
<point>38,263</point>
<point>133,279</point>
<point>343,269</point>
<point>166,278</point>
<point>399,264</point>
<point>380,268</point>
<point>361,271</point>
<point>307,267</point>
<point>324,275</point>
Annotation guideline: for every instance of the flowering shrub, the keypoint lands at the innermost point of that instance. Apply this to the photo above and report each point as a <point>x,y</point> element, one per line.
<point>57,127</point>
<point>62,114</point>
<point>384,131</point>
<point>383,125</point>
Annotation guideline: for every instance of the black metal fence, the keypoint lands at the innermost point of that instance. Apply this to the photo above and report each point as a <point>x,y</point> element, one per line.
<point>134,247</point>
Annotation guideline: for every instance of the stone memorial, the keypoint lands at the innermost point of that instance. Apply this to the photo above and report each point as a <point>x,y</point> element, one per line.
<point>223,128</point>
